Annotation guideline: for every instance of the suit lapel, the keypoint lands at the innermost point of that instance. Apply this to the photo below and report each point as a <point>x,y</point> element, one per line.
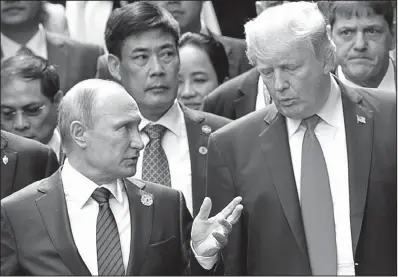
<point>358,122</point>
<point>248,89</point>
<point>197,141</point>
<point>141,220</point>
<point>8,167</point>
<point>53,210</point>
<point>275,146</point>
<point>58,55</point>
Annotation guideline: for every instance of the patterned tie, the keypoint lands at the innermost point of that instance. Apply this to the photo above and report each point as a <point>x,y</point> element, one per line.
<point>317,204</point>
<point>155,167</point>
<point>109,251</point>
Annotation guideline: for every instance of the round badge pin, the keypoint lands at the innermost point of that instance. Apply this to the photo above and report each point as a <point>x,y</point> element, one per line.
<point>146,199</point>
<point>206,129</point>
<point>203,150</point>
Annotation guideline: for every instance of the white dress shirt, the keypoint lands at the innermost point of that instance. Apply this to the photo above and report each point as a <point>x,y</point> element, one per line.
<point>37,44</point>
<point>83,212</point>
<point>55,143</point>
<point>387,84</point>
<point>330,132</point>
<point>263,97</point>
<point>176,148</point>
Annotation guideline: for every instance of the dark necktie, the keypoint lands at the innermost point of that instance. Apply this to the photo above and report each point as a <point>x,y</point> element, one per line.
<point>109,251</point>
<point>155,167</point>
<point>317,205</point>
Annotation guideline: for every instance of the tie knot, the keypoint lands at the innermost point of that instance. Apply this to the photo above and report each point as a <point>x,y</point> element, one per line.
<point>311,122</point>
<point>154,131</point>
<point>24,51</point>
<point>101,195</point>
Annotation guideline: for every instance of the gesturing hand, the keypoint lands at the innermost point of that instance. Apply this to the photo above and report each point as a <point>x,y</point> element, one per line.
<point>209,235</point>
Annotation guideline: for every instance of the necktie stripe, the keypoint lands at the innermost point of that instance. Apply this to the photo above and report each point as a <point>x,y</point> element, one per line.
<point>109,259</point>
<point>102,258</point>
<point>103,228</point>
<point>107,239</point>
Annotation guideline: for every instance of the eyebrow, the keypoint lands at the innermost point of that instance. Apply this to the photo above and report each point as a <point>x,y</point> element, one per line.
<point>161,47</point>
<point>26,106</point>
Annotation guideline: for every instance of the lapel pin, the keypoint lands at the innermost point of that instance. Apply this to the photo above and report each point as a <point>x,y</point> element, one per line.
<point>206,129</point>
<point>203,150</point>
<point>146,199</point>
<point>361,119</point>
<point>5,159</point>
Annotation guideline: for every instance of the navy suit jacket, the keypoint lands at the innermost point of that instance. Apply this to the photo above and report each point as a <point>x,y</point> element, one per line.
<point>24,161</point>
<point>250,157</point>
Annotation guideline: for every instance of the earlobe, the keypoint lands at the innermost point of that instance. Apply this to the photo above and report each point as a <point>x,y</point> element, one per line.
<point>114,67</point>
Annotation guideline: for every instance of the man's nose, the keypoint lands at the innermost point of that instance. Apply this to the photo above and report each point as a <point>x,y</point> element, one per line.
<point>279,81</point>
<point>360,42</point>
<point>20,122</point>
<point>157,67</point>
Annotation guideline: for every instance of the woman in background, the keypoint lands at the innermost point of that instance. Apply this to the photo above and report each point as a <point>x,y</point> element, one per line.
<point>204,66</point>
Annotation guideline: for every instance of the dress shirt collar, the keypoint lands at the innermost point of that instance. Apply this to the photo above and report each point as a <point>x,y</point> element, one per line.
<point>172,120</point>
<point>331,112</point>
<point>387,84</point>
<point>37,44</point>
<point>79,188</point>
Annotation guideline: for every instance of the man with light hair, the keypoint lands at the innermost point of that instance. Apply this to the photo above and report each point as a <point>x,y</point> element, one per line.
<point>316,170</point>
<point>88,219</point>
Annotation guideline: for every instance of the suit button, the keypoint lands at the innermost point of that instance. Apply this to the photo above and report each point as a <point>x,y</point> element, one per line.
<point>203,150</point>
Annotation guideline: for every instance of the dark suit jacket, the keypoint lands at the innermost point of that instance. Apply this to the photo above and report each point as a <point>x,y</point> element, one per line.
<point>197,123</point>
<point>250,157</point>
<point>36,237</point>
<point>74,61</point>
<point>24,161</point>
<point>234,98</point>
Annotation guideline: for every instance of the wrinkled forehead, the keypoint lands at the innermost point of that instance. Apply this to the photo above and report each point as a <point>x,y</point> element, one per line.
<point>355,10</point>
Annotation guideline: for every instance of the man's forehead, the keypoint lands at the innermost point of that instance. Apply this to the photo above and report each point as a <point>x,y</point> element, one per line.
<point>150,40</point>
<point>357,12</point>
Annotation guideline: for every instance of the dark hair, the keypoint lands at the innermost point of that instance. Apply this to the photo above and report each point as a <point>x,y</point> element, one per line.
<point>213,48</point>
<point>28,66</point>
<point>348,8</point>
<point>134,19</point>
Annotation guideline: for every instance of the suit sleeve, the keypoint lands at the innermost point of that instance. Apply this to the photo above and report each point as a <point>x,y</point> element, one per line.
<point>220,187</point>
<point>52,163</point>
<point>207,105</point>
<point>9,252</point>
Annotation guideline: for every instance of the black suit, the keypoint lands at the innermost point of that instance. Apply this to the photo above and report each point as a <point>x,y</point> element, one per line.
<point>234,98</point>
<point>36,236</point>
<point>24,161</point>
<point>250,157</point>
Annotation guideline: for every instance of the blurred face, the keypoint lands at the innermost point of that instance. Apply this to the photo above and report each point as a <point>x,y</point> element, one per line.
<point>185,12</point>
<point>149,70</point>
<point>114,142</point>
<point>295,80</point>
<point>363,45</point>
<point>25,111</point>
<point>197,76</point>
<point>19,12</point>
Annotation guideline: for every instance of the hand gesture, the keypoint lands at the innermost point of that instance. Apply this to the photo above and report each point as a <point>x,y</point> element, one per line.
<point>210,235</point>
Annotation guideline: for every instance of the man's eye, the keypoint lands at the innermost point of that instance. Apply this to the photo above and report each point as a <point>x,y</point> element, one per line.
<point>346,32</point>
<point>33,111</point>
<point>372,31</point>
<point>7,114</point>
<point>200,80</point>
<point>167,56</point>
<point>140,59</point>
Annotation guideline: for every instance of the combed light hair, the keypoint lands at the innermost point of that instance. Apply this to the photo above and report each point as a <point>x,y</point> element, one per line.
<point>277,28</point>
<point>78,105</point>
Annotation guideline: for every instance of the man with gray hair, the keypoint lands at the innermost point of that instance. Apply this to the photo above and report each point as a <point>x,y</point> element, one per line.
<point>88,219</point>
<point>316,170</point>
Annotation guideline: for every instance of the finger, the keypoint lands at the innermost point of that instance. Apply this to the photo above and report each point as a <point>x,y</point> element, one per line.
<point>227,227</point>
<point>230,207</point>
<point>221,240</point>
<point>234,217</point>
<point>205,209</point>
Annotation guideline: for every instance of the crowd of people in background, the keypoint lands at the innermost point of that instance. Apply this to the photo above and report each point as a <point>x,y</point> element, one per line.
<point>198,137</point>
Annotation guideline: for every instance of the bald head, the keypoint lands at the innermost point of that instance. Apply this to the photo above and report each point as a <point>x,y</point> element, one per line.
<point>85,102</point>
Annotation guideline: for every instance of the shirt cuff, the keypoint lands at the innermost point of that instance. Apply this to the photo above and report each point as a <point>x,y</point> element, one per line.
<point>205,262</point>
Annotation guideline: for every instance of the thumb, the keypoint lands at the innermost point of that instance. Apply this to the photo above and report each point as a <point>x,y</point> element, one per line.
<point>205,209</point>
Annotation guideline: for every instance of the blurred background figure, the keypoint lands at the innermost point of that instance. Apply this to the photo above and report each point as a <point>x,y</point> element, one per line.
<point>24,161</point>
<point>54,18</point>
<point>22,27</point>
<point>204,66</point>
<point>30,95</point>
<point>244,93</point>
<point>364,34</point>
<point>188,16</point>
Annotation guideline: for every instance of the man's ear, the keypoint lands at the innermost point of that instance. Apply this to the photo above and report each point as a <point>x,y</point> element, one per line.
<point>394,36</point>
<point>114,67</point>
<point>78,133</point>
<point>58,97</point>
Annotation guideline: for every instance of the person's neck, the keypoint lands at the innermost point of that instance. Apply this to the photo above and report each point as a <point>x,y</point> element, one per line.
<point>79,164</point>
<point>153,114</point>
<point>194,27</point>
<point>20,34</point>
<point>373,81</point>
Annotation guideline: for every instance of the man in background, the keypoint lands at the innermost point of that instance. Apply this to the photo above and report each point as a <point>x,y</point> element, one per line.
<point>30,95</point>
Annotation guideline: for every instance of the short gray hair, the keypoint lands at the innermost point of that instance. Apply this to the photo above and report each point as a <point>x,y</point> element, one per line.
<point>78,105</point>
<point>298,21</point>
